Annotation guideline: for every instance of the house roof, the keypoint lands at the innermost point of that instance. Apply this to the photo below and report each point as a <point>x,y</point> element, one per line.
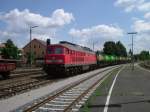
<point>39,41</point>
<point>42,42</point>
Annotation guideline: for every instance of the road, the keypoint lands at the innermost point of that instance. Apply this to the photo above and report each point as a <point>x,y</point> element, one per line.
<point>128,91</point>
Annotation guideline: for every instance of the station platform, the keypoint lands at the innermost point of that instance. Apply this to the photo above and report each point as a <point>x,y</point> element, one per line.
<point>126,90</point>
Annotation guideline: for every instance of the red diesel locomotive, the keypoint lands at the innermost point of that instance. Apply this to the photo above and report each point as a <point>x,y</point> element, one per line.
<point>68,58</point>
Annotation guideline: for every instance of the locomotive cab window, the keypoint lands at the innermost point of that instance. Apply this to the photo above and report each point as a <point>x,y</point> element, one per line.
<point>49,50</point>
<point>58,51</point>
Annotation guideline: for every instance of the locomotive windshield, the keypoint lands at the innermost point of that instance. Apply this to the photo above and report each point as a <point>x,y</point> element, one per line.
<point>55,50</point>
<point>58,51</point>
<point>49,51</point>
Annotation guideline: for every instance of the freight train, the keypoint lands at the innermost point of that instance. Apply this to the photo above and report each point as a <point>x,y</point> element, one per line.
<point>6,66</point>
<point>66,58</point>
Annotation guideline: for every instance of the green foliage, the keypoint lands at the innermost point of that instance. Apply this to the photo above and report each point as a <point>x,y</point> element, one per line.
<point>85,108</point>
<point>97,93</point>
<point>109,48</point>
<point>30,57</point>
<point>120,49</point>
<point>136,57</point>
<point>10,51</point>
<point>0,50</point>
<point>112,48</point>
<point>144,55</point>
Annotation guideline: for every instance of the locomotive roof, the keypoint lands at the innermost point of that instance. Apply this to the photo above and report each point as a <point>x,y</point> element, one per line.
<point>76,47</point>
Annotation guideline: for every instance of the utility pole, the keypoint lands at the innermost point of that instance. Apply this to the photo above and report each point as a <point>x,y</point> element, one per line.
<point>31,27</point>
<point>132,57</point>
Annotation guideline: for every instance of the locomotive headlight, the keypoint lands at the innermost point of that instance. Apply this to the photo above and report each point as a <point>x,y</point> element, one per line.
<point>48,61</point>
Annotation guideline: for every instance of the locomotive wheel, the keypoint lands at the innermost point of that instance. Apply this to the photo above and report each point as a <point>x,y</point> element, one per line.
<point>71,71</point>
<point>74,70</point>
<point>67,72</point>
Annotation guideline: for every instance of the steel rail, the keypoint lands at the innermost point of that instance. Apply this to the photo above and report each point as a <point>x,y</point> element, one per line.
<point>50,98</point>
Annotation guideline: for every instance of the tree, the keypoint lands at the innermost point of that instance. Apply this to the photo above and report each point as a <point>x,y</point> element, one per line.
<point>30,57</point>
<point>0,50</point>
<point>120,49</point>
<point>144,55</point>
<point>136,57</point>
<point>112,48</point>
<point>109,48</point>
<point>10,51</point>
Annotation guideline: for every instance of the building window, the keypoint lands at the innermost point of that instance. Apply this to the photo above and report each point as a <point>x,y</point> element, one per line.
<point>42,52</point>
<point>34,46</point>
<point>39,46</point>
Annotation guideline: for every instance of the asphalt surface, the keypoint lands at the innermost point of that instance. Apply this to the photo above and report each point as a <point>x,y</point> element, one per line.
<point>131,93</point>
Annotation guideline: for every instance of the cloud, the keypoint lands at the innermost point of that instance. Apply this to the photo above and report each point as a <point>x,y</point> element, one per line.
<point>25,18</point>
<point>147,16</point>
<point>96,34</point>
<point>7,34</point>
<point>141,42</point>
<point>141,26</point>
<point>144,6</point>
<point>105,31</point>
<point>142,38</point>
<point>133,5</point>
<point>18,22</point>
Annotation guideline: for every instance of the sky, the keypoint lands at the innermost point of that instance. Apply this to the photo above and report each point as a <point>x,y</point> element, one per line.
<point>82,22</point>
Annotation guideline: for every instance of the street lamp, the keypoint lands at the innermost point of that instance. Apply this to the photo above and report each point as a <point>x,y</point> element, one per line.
<point>31,27</point>
<point>132,57</point>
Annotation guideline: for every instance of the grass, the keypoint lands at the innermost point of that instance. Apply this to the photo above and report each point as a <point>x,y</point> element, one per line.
<point>98,92</point>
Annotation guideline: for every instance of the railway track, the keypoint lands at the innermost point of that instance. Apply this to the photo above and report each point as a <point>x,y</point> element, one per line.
<point>20,77</point>
<point>70,98</point>
<point>19,73</point>
<point>23,83</point>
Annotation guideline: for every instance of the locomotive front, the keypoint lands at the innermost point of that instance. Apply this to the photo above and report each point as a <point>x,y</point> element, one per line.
<point>55,59</point>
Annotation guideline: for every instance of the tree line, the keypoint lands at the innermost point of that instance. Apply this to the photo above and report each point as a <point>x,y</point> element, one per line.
<point>118,49</point>
<point>143,55</point>
<point>112,48</point>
